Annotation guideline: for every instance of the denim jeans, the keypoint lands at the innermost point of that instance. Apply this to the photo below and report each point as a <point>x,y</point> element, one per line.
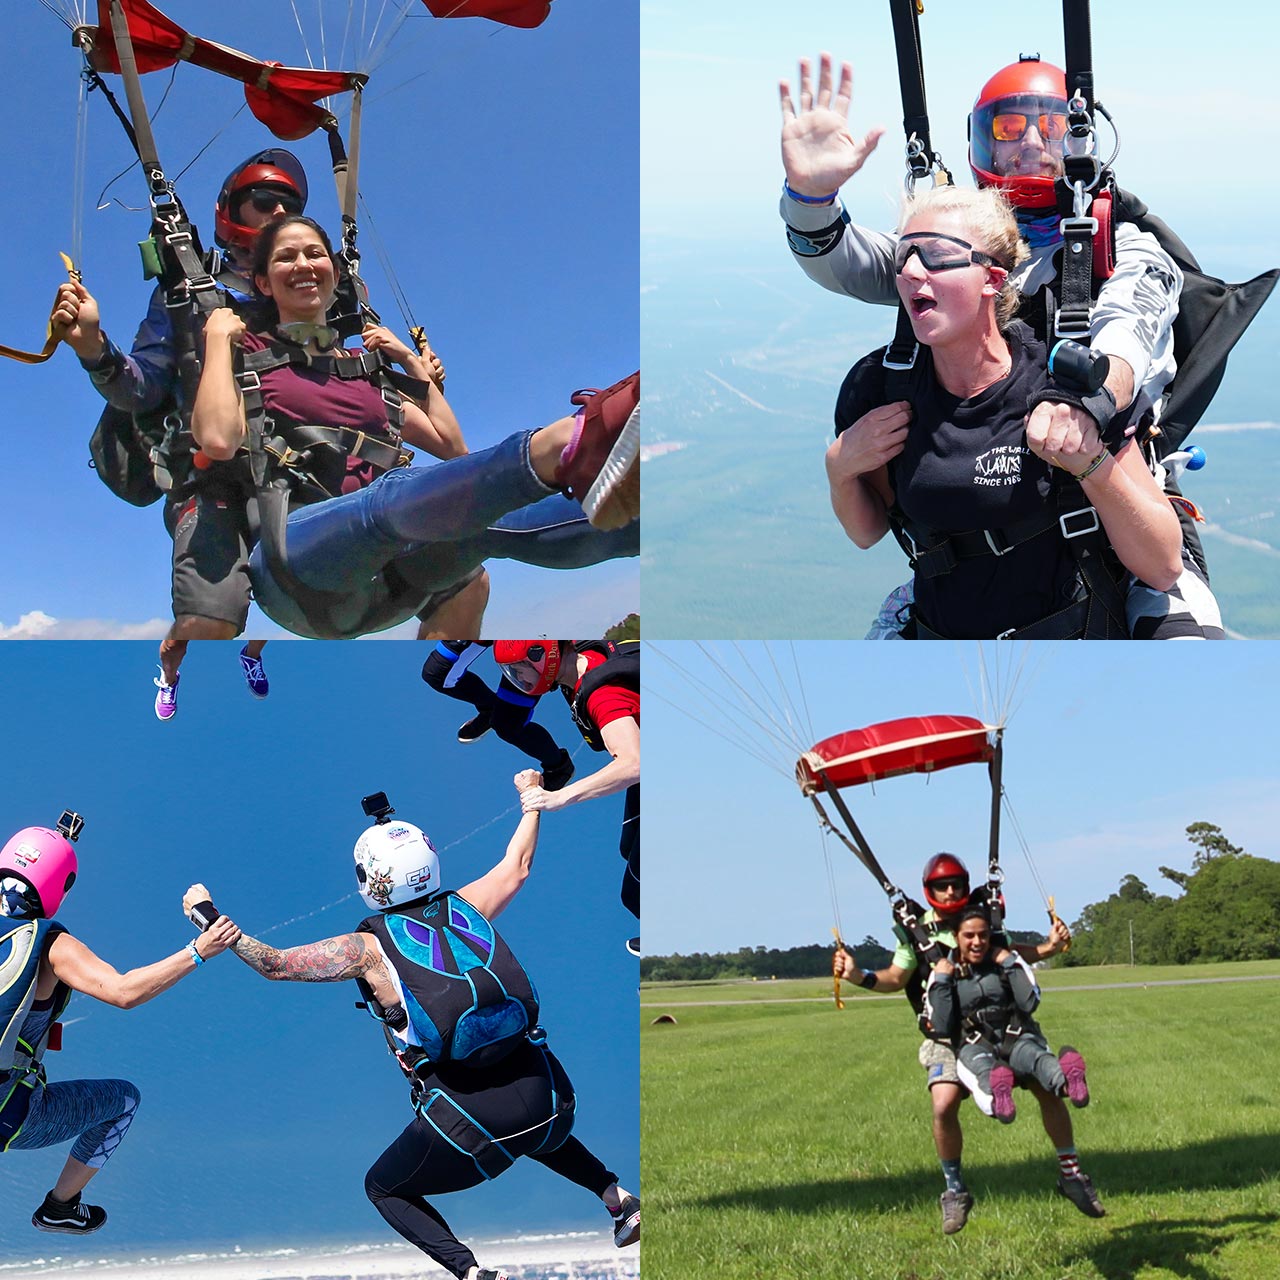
<point>430,526</point>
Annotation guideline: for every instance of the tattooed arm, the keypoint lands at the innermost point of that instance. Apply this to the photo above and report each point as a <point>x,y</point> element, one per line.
<point>350,955</point>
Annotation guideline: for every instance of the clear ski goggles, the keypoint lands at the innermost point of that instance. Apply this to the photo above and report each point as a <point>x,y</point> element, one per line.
<point>268,199</point>
<point>939,253</point>
<point>1011,126</point>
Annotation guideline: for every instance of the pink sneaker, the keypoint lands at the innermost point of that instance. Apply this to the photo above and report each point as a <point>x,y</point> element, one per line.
<point>600,466</point>
<point>1002,1104</point>
<point>1072,1061</point>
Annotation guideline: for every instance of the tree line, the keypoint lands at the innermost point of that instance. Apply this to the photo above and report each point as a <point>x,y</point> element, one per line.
<point>1227,908</point>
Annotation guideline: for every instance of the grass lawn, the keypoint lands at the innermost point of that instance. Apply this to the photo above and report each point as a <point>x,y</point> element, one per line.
<point>790,1140</point>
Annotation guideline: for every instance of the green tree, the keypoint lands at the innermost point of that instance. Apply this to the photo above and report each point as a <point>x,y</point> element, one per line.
<point>1210,843</point>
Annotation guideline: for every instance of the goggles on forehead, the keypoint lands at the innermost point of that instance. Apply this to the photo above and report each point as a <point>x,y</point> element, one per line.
<point>267,199</point>
<point>1010,126</point>
<point>939,253</point>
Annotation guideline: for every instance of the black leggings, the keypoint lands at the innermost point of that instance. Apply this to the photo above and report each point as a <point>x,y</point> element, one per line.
<point>629,847</point>
<point>516,1096</point>
<point>510,710</point>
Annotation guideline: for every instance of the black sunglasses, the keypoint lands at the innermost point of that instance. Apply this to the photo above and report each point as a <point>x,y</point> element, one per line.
<point>267,199</point>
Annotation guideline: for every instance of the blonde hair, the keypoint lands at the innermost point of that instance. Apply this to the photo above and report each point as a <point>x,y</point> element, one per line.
<point>994,230</point>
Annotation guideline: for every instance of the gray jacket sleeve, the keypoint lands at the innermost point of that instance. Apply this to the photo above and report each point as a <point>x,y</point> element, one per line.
<point>940,1003</point>
<point>1022,983</point>
<point>836,253</point>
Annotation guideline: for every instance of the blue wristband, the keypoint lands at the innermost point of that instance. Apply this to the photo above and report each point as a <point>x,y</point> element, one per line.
<point>195,955</point>
<point>795,195</point>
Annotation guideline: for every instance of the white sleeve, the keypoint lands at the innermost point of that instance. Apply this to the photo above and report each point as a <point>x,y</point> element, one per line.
<point>838,254</point>
<point>1134,314</point>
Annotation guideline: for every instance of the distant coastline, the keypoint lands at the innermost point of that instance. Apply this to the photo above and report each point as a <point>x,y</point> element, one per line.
<point>572,1256</point>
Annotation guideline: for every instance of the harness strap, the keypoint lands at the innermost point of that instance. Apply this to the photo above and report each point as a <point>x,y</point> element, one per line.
<point>459,1129</point>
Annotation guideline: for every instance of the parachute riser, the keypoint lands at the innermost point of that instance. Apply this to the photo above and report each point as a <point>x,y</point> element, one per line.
<point>995,877</point>
<point>855,841</point>
<point>921,159</point>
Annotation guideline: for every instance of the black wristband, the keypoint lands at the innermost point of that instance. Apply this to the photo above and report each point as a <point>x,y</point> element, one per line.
<point>868,981</point>
<point>204,915</point>
<point>1100,405</point>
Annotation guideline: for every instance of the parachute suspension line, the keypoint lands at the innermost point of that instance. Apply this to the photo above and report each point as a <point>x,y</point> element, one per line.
<point>798,726</point>
<point>177,177</point>
<point>783,711</point>
<point>1026,853</point>
<point>838,929</point>
<point>80,166</point>
<point>762,718</point>
<point>388,271</point>
<point>742,742</point>
<point>804,701</point>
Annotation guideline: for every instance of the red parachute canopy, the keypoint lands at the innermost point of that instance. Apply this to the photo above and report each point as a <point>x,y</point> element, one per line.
<point>918,744</point>
<point>512,13</point>
<point>283,98</point>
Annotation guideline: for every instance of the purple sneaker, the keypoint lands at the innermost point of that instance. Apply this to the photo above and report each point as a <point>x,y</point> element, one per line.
<point>254,676</point>
<point>1072,1061</point>
<point>167,698</point>
<point>1002,1104</point>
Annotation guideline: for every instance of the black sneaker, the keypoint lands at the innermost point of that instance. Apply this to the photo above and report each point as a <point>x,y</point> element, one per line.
<point>558,774</point>
<point>1079,1190</point>
<point>482,1274</point>
<point>955,1210</point>
<point>69,1216</point>
<point>626,1222</point>
<point>475,728</point>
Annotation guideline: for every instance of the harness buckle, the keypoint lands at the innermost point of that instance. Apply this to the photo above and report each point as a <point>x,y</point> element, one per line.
<point>1077,326</point>
<point>997,551</point>
<point>886,363</point>
<point>249,380</point>
<point>1089,513</point>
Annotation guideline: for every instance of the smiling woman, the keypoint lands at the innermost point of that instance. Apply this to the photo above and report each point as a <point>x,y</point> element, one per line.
<point>945,447</point>
<point>353,539</point>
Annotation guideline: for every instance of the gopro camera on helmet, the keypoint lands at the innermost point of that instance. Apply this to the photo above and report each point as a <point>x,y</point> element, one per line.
<point>377,806</point>
<point>71,824</point>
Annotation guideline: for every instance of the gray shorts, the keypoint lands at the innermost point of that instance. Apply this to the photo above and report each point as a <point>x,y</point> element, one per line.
<point>939,1063</point>
<point>211,545</point>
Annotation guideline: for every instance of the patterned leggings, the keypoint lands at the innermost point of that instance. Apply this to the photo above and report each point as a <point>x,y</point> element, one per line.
<point>95,1112</point>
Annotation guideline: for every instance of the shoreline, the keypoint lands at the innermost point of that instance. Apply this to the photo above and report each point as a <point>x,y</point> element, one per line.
<point>568,1256</point>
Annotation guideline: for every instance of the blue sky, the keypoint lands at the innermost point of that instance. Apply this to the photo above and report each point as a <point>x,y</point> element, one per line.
<point>498,166</point>
<point>263,1104</point>
<point>1111,751</point>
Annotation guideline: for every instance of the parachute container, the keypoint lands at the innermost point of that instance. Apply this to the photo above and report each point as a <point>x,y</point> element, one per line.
<point>916,744</point>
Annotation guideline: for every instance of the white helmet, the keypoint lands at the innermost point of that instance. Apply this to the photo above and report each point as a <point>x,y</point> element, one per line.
<point>395,863</point>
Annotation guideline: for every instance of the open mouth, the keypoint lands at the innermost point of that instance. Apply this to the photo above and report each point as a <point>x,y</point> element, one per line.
<point>920,305</point>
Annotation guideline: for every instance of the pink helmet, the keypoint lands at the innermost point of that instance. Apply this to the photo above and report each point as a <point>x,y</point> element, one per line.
<point>45,860</point>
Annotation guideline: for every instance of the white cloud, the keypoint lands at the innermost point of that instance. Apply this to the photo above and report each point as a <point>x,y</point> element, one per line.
<point>38,625</point>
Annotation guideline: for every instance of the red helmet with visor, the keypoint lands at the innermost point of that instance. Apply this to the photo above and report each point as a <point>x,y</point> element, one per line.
<point>275,170</point>
<point>1027,95</point>
<point>515,657</point>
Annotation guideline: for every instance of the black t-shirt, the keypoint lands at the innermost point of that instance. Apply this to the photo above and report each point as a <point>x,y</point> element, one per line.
<point>966,465</point>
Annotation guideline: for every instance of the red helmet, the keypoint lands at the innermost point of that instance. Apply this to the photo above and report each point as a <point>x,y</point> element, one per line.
<point>276,168</point>
<point>945,866</point>
<point>542,655</point>
<point>1036,91</point>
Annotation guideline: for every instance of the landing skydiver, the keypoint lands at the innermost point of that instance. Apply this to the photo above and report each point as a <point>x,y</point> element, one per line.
<point>983,998</point>
<point>41,964</point>
<point>600,680</point>
<point>947,891</point>
<point>507,710</point>
<point>460,1014</point>
<point>1016,132</point>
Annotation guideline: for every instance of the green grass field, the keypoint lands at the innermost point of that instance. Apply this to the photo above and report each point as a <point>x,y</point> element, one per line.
<point>791,1140</point>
